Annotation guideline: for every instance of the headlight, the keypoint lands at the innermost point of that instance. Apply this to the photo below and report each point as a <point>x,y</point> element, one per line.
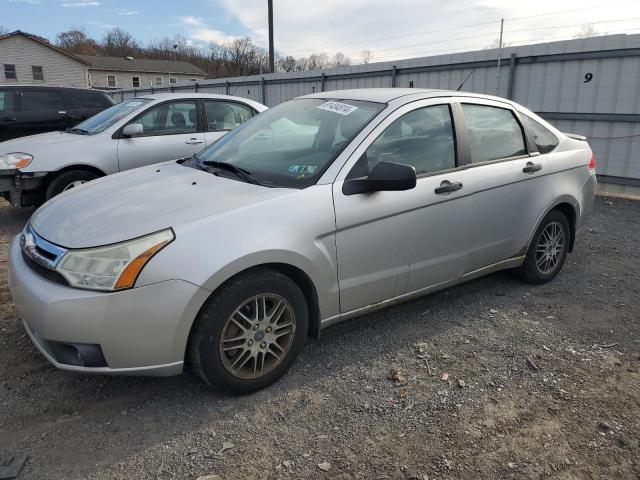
<point>113,267</point>
<point>14,160</point>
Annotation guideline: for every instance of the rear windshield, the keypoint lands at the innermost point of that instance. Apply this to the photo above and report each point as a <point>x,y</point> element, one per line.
<point>108,117</point>
<point>292,144</point>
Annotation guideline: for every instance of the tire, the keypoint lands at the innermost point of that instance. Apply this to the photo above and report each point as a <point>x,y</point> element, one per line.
<point>66,180</point>
<point>237,370</point>
<point>542,264</point>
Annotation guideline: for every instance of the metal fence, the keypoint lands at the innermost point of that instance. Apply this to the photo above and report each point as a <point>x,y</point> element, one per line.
<point>588,86</point>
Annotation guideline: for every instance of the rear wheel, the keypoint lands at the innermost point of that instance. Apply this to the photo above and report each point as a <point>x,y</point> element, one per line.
<point>68,180</point>
<point>250,332</point>
<point>548,250</point>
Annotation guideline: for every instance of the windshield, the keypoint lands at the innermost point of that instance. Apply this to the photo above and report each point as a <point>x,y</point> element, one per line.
<point>108,117</point>
<point>292,144</point>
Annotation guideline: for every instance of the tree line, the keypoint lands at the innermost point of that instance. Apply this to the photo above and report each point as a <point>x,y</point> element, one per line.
<point>238,57</point>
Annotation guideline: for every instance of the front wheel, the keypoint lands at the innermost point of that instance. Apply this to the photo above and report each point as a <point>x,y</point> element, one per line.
<point>250,332</point>
<point>548,250</point>
<point>68,180</point>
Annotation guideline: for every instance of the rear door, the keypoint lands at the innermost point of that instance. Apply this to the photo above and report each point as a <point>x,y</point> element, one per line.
<point>171,130</point>
<point>8,114</point>
<point>392,243</point>
<point>511,184</point>
<point>223,116</point>
<point>43,110</point>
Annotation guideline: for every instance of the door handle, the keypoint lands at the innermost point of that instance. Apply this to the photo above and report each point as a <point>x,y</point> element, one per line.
<point>9,119</point>
<point>193,141</point>
<point>447,187</point>
<point>532,167</point>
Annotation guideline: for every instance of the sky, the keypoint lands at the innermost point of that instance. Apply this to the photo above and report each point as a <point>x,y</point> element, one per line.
<point>389,29</point>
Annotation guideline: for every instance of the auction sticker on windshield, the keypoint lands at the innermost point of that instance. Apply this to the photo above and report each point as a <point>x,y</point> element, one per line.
<point>337,107</point>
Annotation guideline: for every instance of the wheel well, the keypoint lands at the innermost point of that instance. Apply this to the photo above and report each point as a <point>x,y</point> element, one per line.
<point>568,211</point>
<point>86,168</point>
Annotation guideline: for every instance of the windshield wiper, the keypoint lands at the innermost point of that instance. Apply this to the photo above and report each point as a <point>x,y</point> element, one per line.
<point>237,171</point>
<point>77,130</point>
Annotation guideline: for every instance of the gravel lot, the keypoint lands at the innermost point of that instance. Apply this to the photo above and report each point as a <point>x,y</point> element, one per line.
<point>491,379</point>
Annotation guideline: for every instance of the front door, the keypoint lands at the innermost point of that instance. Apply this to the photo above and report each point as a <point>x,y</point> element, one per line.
<point>222,117</point>
<point>171,131</point>
<point>392,243</point>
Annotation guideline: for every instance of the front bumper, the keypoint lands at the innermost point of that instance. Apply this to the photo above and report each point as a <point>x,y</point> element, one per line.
<point>141,331</point>
<point>22,189</point>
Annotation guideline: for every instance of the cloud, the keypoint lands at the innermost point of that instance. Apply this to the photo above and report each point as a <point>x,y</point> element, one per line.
<point>127,13</point>
<point>80,3</point>
<point>210,35</point>
<point>194,21</point>
<point>32,2</point>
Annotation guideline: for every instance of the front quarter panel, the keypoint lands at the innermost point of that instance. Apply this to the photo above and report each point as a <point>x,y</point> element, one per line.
<point>297,229</point>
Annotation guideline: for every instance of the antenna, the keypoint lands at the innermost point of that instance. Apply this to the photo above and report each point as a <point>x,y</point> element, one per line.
<point>465,79</point>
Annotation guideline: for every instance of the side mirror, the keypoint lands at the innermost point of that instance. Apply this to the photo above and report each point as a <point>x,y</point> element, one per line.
<point>386,176</point>
<point>133,130</point>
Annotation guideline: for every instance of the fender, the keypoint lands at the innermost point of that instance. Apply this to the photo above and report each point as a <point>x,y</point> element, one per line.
<point>562,199</point>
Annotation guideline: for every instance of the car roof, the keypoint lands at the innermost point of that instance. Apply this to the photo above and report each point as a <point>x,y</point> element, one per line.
<point>178,95</point>
<point>386,95</point>
<point>52,87</point>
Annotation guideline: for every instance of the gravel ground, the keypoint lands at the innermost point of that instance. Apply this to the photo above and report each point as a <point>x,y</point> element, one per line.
<point>490,379</point>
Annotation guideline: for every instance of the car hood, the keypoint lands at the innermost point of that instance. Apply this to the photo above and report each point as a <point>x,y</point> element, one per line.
<point>141,201</point>
<point>33,144</point>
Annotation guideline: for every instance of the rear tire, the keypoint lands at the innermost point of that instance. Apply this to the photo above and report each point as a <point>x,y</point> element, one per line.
<point>68,180</point>
<point>249,333</point>
<point>548,250</point>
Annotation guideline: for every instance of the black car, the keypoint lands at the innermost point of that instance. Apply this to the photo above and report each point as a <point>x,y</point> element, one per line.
<point>27,110</point>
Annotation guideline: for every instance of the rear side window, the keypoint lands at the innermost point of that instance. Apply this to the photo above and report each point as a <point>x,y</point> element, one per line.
<point>34,100</point>
<point>90,100</point>
<point>7,102</point>
<point>494,133</point>
<point>542,136</point>
<point>225,115</point>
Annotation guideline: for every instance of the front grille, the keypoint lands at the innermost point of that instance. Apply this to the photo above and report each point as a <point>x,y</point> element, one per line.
<point>44,272</point>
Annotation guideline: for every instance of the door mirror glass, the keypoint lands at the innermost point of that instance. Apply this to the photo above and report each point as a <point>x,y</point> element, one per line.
<point>133,130</point>
<point>385,176</point>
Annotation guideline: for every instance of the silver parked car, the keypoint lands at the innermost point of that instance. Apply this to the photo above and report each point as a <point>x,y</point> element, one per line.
<point>134,133</point>
<point>315,211</point>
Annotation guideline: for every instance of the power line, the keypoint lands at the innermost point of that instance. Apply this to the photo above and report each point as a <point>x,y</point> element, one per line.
<point>494,22</point>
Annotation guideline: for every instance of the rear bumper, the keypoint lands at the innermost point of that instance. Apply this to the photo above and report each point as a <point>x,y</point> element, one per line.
<point>141,331</point>
<point>587,200</point>
<point>22,189</point>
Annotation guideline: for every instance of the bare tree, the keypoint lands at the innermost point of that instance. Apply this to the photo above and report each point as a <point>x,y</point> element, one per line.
<point>77,41</point>
<point>316,61</point>
<point>288,64</point>
<point>366,56</point>
<point>341,60</point>
<point>3,30</point>
<point>586,31</point>
<point>119,43</point>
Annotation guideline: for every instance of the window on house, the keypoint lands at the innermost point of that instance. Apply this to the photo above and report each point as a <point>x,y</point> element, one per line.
<point>135,82</point>
<point>158,80</point>
<point>10,71</point>
<point>37,73</point>
<point>173,80</point>
<point>111,81</point>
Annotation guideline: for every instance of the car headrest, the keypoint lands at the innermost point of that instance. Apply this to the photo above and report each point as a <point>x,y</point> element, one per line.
<point>192,116</point>
<point>178,120</point>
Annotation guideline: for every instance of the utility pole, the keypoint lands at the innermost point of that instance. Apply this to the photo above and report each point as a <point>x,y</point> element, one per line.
<point>499,55</point>
<point>272,67</point>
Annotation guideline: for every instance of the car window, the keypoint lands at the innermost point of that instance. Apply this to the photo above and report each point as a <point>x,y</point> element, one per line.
<point>91,100</point>
<point>292,144</point>
<point>106,118</point>
<point>6,101</point>
<point>422,139</point>
<point>37,100</point>
<point>225,115</point>
<point>542,136</point>
<point>173,118</point>
<point>494,133</point>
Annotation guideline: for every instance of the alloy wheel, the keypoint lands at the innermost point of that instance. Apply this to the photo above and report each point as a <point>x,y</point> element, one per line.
<point>550,247</point>
<point>257,336</point>
<point>71,185</point>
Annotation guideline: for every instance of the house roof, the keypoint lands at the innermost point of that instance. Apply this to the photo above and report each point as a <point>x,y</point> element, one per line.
<point>42,41</point>
<point>140,65</point>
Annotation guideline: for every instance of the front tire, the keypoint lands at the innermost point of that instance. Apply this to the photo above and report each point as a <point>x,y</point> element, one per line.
<point>548,250</point>
<point>68,180</point>
<point>249,333</point>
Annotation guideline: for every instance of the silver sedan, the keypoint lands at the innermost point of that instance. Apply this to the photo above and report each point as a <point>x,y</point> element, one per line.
<point>313,212</point>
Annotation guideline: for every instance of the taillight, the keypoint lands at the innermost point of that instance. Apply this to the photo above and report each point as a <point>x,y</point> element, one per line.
<point>592,162</point>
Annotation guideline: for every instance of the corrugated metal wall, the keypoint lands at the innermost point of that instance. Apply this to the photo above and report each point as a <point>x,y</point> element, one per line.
<point>588,86</point>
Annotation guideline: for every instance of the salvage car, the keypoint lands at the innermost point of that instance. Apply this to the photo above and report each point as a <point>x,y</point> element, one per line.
<point>134,133</point>
<point>28,109</point>
<point>318,210</point>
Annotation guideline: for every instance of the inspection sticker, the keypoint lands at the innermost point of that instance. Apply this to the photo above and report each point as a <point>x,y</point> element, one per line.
<point>337,107</point>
